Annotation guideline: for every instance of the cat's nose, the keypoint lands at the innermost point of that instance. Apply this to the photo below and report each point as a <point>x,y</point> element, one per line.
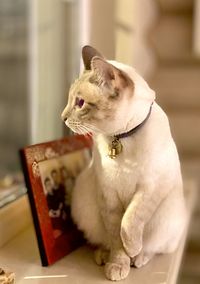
<point>64,116</point>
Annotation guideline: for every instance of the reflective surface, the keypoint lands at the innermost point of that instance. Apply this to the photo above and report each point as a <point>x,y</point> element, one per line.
<point>38,59</point>
<point>11,187</point>
<point>13,96</point>
<point>13,83</point>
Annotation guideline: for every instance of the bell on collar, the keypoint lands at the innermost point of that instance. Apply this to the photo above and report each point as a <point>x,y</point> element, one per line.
<point>112,153</point>
<point>115,148</point>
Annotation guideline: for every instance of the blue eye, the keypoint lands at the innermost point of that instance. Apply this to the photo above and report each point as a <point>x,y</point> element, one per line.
<point>79,102</point>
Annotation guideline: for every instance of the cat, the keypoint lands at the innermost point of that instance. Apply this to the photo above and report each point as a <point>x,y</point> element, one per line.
<point>129,201</point>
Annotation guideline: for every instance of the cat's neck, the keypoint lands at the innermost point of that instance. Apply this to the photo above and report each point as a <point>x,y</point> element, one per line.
<point>136,120</point>
<point>136,127</point>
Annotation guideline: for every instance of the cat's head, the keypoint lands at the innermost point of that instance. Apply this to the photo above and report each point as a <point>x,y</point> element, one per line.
<point>100,100</point>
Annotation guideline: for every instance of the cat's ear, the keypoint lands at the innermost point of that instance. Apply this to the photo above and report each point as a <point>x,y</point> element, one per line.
<point>88,52</point>
<point>111,76</point>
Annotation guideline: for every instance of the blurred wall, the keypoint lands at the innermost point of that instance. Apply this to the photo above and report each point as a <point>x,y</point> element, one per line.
<point>119,30</point>
<point>102,26</point>
<point>53,45</point>
<point>196,41</point>
<point>134,22</point>
<point>176,80</point>
<point>13,82</point>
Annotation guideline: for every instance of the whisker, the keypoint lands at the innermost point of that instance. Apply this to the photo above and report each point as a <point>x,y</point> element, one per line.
<point>89,131</point>
<point>93,128</point>
<point>90,127</point>
<point>81,129</point>
<point>86,130</point>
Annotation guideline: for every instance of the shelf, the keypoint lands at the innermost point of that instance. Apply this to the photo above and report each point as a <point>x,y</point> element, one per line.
<point>21,256</point>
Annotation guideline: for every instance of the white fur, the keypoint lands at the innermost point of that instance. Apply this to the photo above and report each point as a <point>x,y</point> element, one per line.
<point>132,205</point>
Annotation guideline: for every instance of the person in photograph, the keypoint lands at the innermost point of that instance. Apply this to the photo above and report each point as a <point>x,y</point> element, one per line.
<point>68,180</point>
<point>58,186</point>
<point>59,193</point>
<point>55,206</point>
<point>53,203</point>
<point>48,186</point>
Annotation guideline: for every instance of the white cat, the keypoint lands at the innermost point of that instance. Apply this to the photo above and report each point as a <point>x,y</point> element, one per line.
<point>129,201</point>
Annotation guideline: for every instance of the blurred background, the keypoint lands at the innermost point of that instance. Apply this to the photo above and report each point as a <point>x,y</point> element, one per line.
<point>40,47</point>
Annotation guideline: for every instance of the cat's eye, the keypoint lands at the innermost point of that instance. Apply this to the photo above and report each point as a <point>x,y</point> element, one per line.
<point>79,102</point>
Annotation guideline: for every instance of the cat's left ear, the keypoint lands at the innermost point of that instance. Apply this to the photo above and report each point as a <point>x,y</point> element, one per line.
<point>88,52</point>
<point>111,76</point>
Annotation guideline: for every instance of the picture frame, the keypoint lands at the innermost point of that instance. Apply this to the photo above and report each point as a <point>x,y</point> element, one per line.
<point>50,170</point>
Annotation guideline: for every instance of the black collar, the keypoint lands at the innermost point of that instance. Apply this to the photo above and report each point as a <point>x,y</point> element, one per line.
<point>136,128</point>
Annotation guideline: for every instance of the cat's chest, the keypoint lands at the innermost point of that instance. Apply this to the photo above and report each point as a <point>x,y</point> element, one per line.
<point>124,163</point>
<point>117,182</point>
<point>117,177</point>
<point>117,172</point>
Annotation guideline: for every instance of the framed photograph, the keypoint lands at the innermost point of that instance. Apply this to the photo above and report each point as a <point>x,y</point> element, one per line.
<point>50,171</point>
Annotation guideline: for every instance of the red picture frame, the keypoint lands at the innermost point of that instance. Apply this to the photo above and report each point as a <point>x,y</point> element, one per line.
<point>43,166</point>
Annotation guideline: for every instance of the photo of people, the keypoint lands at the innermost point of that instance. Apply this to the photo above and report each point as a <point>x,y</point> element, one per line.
<point>58,177</point>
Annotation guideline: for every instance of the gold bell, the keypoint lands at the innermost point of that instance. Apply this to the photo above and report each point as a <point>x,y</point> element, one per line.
<point>115,148</point>
<point>112,153</point>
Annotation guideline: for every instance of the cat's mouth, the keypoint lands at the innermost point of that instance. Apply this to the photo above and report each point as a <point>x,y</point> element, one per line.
<point>82,128</point>
<point>78,127</point>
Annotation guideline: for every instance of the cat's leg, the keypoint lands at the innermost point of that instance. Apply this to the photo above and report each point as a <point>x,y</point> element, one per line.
<point>164,230</point>
<point>85,211</point>
<point>141,259</point>
<point>118,265</point>
<point>99,228</point>
<point>144,203</point>
<point>101,255</point>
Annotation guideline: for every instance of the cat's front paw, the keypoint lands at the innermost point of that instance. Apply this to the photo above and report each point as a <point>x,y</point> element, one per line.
<point>141,259</point>
<point>132,242</point>
<point>116,271</point>
<point>101,256</point>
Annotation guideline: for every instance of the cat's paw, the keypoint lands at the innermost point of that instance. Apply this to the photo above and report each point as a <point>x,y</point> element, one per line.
<point>116,271</point>
<point>141,259</point>
<point>101,256</point>
<point>132,243</point>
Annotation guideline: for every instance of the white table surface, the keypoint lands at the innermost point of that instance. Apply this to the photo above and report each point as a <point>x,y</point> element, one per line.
<point>21,256</point>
